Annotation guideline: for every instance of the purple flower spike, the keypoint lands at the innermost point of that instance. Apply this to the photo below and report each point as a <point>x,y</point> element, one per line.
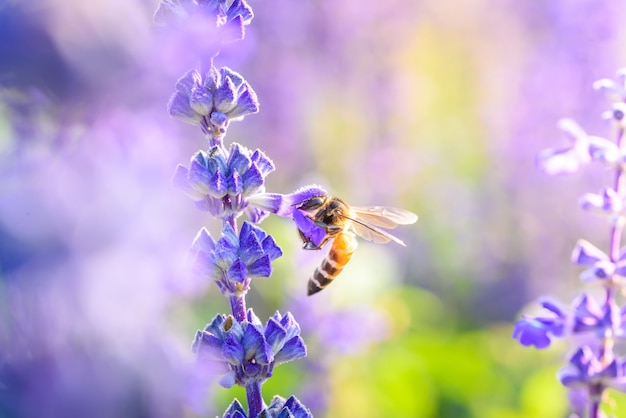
<point>213,100</point>
<point>247,351</point>
<point>596,325</point>
<point>226,185</point>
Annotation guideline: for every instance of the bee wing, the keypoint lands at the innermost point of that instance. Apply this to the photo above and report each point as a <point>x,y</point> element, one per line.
<point>373,233</point>
<point>384,217</point>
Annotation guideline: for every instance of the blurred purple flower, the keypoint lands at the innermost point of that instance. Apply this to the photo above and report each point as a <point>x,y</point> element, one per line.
<point>538,330</point>
<point>213,100</point>
<point>614,90</point>
<point>608,201</point>
<point>582,150</point>
<point>586,369</point>
<point>227,20</point>
<point>247,350</point>
<point>234,259</point>
<point>568,159</point>
<point>223,184</point>
<point>600,267</point>
<point>605,320</point>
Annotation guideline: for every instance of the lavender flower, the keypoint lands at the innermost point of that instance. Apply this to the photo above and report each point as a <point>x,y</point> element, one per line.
<point>595,364</point>
<point>226,182</point>
<point>538,330</point>
<point>212,100</point>
<point>247,350</point>
<point>222,182</point>
<point>234,259</point>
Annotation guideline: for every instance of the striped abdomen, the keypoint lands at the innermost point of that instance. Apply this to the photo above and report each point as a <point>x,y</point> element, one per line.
<point>340,253</point>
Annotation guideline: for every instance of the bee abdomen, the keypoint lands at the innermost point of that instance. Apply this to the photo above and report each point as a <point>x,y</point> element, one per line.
<point>339,255</point>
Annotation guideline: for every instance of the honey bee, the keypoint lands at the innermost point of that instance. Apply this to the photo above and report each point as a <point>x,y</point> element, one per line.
<point>340,222</point>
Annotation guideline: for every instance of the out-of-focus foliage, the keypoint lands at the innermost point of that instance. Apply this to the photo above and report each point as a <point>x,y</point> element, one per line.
<point>436,107</point>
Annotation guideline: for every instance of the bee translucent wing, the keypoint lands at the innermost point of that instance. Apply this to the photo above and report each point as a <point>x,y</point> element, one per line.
<point>372,233</point>
<point>384,217</point>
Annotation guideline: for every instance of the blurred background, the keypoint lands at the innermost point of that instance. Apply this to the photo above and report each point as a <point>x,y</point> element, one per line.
<point>436,107</point>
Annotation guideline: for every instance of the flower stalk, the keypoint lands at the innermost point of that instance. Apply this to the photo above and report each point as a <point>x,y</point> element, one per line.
<point>228,182</point>
<point>595,365</point>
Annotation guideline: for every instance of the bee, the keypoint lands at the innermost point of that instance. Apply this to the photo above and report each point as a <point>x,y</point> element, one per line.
<point>340,222</point>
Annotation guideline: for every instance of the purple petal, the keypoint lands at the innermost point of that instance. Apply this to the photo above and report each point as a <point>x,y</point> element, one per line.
<point>296,408</point>
<point>235,185</point>
<point>228,380</point>
<point>201,101</point>
<point>271,248</point>
<point>560,161</point>
<point>262,161</point>
<point>188,82</point>
<point>233,409</point>
<point>232,350</point>
<point>252,181</point>
<point>247,103</point>
<point>587,254</point>
<point>305,193</point>
<point>531,332</point>
<point>256,347</point>
<point>239,159</point>
<point>205,267</point>
<point>253,319</point>
<point>218,185</point>
<point>261,267</point>
<point>292,350</point>
<point>219,119</point>
<point>255,215</point>
<point>178,106</point>
<point>289,323</point>
<point>607,201</point>
<point>604,150</point>
<point>250,248</point>
<point>553,306</point>
<point>233,30</point>
<point>310,232</point>
<point>238,271</point>
<point>271,202</point>
<point>275,334</point>
<point>225,96</point>
<point>207,346</point>
<point>181,181</point>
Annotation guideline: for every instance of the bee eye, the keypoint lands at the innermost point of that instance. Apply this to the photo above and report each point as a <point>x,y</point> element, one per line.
<point>312,203</point>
